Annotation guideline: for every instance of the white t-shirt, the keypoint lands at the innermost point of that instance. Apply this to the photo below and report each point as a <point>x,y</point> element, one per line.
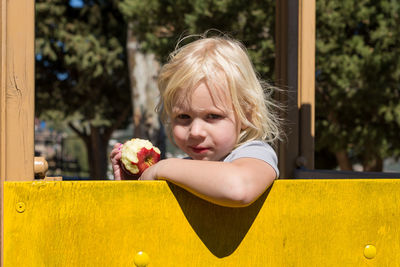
<point>255,149</point>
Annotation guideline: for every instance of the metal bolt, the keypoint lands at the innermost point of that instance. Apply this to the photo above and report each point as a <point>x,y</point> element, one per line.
<point>370,251</point>
<point>20,207</point>
<point>141,259</point>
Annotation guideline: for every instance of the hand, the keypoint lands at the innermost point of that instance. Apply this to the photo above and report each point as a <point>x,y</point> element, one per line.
<point>151,172</point>
<point>115,157</point>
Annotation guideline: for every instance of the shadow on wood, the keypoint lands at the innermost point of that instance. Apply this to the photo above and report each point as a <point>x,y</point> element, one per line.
<point>221,229</point>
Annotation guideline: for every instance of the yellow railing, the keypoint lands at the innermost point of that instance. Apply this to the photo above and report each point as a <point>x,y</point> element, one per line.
<point>295,223</point>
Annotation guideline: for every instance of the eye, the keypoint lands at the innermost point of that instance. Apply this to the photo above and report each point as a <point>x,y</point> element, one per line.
<point>213,116</point>
<point>182,117</point>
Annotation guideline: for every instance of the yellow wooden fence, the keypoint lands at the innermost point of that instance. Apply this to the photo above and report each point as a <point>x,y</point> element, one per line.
<point>295,223</point>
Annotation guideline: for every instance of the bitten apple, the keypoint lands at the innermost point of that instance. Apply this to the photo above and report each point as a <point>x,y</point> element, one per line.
<point>138,155</point>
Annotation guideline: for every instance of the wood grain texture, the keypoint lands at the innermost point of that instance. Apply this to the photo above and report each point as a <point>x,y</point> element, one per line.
<point>306,81</point>
<point>17,90</point>
<point>3,53</point>
<point>16,94</point>
<point>295,223</point>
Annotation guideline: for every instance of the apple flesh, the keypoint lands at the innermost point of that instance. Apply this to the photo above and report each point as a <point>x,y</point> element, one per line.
<point>138,155</point>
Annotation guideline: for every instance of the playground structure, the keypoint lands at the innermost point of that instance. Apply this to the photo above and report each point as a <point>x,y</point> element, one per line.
<point>295,223</point>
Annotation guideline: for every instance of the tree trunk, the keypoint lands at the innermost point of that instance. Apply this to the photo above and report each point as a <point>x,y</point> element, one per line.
<point>96,145</point>
<point>373,165</point>
<point>143,71</point>
<point>343,160</point>
<point>96,142</point>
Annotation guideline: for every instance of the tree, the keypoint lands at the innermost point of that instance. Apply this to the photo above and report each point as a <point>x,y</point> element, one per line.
<point>357,63</point>
<point>84,51</point>
<point>81,71</point>
<point>158,25</point>
<point>143,71</point>
<point>358,81</point>
<point>84,54</point>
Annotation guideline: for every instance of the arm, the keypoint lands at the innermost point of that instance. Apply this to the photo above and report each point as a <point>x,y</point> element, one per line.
<point>234,184</point>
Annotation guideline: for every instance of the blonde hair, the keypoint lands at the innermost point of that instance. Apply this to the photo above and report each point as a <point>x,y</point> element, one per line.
<point>204,60</point>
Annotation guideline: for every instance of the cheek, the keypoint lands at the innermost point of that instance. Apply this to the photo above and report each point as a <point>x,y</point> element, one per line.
<point>227,134</point>
<point>178,133</point>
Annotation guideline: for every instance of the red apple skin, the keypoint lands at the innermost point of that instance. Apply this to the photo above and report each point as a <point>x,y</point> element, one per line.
<point>130,176</point>
<point>146,158</point>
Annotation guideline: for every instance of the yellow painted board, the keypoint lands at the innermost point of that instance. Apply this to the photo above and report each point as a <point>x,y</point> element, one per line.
<point>296,223</point>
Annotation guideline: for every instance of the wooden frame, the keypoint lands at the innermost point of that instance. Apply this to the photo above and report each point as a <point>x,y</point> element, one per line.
<point>17,93</point>
<point>295,49</point>
<point>295,72</point>
<point>17,90</point>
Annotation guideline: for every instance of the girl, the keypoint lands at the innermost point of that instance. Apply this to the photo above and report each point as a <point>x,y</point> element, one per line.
<point>214,108</point>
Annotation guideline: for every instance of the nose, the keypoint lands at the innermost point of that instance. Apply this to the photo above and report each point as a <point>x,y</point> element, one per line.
<point>197,129</point>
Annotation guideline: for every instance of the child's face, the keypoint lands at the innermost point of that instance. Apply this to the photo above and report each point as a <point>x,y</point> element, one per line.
<point>204,127</point>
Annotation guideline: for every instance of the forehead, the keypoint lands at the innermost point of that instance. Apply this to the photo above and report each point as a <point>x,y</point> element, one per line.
<point>204,95</point>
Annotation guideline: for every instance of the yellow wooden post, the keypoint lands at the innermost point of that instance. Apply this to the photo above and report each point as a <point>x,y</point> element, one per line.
<point>295,71</point>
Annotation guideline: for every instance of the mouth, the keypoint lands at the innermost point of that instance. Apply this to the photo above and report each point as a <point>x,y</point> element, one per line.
<point>199,150</point>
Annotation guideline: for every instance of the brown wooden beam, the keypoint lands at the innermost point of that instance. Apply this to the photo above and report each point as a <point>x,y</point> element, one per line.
<point>295,73</point>
<point>306,78</point>
<point>17,90</point>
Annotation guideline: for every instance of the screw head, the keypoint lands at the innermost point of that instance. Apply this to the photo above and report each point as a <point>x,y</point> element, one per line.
<point>370,251</point>
<point>141,259</point>
<point>20,207</point>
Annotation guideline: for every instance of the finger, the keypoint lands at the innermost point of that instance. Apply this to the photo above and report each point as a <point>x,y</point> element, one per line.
<point>115,156</point>
<point>117,145</point>
<point>118,172</point>
<point>116,149</point>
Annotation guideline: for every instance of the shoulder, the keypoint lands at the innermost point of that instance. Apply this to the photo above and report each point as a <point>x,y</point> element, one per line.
<point>255,149</point>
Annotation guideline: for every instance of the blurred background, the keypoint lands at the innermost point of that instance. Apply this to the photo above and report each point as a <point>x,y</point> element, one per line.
<point>97,63</point>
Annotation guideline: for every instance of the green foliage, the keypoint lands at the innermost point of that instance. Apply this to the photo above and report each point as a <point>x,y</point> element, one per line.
<point>358,78</point>
<point>357,60</point>
<point>82,64</point>
<point>81,72</point>
<point>81,60</point>
<point>160,24</point>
